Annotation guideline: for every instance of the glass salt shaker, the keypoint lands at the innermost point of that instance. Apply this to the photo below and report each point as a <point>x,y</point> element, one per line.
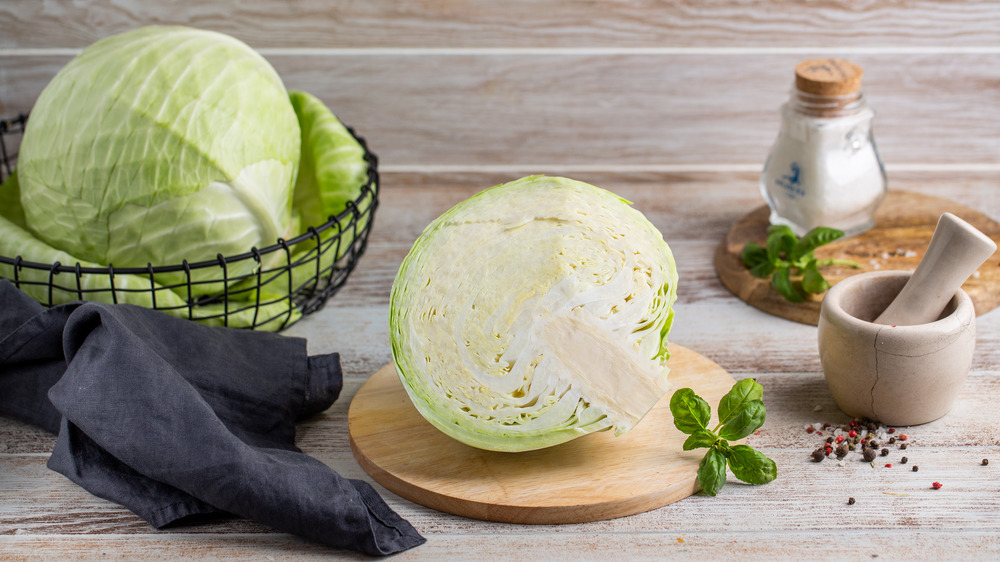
<point>824,168</point>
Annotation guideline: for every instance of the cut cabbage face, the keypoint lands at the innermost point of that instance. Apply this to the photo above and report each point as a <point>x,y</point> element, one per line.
<point>533,313</point>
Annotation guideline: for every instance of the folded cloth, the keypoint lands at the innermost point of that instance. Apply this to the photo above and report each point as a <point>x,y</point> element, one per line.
<point>171,418</point>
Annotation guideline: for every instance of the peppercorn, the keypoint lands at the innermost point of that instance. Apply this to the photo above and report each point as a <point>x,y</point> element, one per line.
<point>915,468</point>
<point>986,462</point>
<point>850,501</point>
<point>888,465</point>
<point>852,433</point>
<point>904,460</point>
<point>903,446</point>
<point>842,450</point>
<point>884,452</point>
<point>818,455</point>
<point>810,429</point>
<point>829,439</point>
<point>903,437</point>
<point>868,454</point>
<point>873,444</point>
<point>892,440</point>
<point>936,485</point>
<point>891,430</point>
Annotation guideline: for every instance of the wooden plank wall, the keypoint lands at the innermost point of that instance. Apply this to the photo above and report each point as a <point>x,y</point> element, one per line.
<point>563,86</point>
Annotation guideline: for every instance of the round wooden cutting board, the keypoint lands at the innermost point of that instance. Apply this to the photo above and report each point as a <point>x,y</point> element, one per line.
<point>598,476</point>
<point>903,228</point>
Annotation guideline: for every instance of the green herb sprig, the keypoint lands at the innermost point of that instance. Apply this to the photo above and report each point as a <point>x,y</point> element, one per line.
<point>784,252</point>
<point>741,412</point>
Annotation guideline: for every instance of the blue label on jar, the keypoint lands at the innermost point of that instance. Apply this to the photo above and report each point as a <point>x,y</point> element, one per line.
<point>790,182</point>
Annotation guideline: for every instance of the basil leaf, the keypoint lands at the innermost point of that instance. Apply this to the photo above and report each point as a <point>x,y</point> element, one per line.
<point>783,284</point>
<point>712,472</point>
<point>743,392</point>
<point>751,466</point>
<point>779,230</point>
<point>813,281</point>
<point>780,239</point>
<point>747,420</point>
<point>723,446</point>
<point>753,255</point>
<point>699,439</point>
<point>762,269</point>
<point>812,240</point>
<point>690,411</point>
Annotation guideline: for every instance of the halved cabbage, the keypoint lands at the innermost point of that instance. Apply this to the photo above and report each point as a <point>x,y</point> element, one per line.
<point>533,313</point>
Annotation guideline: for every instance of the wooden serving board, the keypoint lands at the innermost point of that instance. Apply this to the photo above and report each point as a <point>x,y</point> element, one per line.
<point>904,224</point>
<point>598,476</point>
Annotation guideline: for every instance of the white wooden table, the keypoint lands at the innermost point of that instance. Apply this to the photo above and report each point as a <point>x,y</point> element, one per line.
<point>673,107</point>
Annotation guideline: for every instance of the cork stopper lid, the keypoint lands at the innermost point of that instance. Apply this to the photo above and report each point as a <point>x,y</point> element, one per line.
<point>828,77</point>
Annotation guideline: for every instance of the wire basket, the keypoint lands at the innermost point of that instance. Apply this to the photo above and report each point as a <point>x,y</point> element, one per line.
<point>264,288</point>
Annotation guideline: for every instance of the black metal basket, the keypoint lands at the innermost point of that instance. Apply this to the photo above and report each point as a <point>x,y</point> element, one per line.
<point>269,297</point>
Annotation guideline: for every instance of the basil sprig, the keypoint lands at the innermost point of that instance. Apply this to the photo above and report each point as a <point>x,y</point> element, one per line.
<point>784,252</point>
<point>741,412</point>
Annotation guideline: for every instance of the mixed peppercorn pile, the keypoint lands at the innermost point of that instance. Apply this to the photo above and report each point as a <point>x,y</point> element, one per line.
<point>864,440</point>
<point>861,438</point>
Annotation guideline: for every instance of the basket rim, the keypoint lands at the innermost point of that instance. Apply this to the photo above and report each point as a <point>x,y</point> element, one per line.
<point>369,189</point>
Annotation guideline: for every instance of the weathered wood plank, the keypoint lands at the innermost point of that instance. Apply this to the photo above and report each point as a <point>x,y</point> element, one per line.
<point>547,111</point>
<point>524,23</point>
<point>658,545</point>
<point>691,223</point>
<point>661,544</point>
<point>888,498</point>
<point>792,399</point>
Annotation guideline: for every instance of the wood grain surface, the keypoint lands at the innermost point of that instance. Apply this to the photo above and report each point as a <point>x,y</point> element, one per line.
<point>672,104</point>
<point>518,23</point>
<point>624,110</point>
<point>904,225</point>
<point>595,477</point>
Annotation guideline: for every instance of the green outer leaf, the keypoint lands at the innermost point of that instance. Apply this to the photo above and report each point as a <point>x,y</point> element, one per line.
<point>712,472</point>
<point>10,201</point>
<point>699,439</point>
<point>747,420</point>
<point>131,289</point>
<point>751,466</point>
<point>743,392</point>
<point>814,239</point>
<point>812,280</point>
<point>783,284</point>
<point>690,411</point>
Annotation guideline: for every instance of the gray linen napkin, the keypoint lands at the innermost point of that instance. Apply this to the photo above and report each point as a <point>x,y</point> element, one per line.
<point>171,419</point>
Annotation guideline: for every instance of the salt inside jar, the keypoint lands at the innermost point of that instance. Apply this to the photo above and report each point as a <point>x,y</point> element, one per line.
<point>824,168</point>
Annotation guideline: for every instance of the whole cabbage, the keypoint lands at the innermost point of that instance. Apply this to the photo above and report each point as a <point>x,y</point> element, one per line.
<point>533,313</point>
<point>166,144</point>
